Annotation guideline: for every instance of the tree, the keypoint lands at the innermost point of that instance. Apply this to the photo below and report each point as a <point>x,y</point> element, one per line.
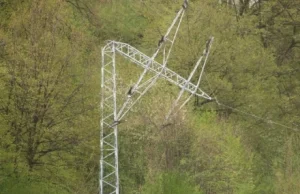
<point>45,104</point>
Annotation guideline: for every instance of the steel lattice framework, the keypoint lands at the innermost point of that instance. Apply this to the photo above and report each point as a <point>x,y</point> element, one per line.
<point>111,115</point>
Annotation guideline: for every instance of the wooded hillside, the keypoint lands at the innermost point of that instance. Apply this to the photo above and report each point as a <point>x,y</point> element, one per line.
<point>50,60</point>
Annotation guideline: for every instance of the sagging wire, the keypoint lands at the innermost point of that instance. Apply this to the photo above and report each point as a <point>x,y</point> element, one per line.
<point>269,121</point>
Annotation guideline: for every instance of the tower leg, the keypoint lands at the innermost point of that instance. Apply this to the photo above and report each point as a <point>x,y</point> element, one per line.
<point>109,173</point>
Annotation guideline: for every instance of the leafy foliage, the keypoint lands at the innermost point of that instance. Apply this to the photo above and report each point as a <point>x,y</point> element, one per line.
<point>49,82</point>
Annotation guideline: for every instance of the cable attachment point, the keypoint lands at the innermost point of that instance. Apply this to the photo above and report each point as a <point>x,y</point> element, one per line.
<point>217,101</point>
<point>115,123</point>
<point>130,92</point>
<point>161,41</point>
<point>207,46</point>
<point>268,121</point>
<point>185,4</point>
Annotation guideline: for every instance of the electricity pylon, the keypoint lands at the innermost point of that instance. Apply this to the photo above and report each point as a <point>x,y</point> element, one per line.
<point>111,115</point>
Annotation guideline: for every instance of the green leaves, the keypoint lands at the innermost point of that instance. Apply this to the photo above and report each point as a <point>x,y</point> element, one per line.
<point>170,183</point>
<point>49,82</point>
<point>28,186</point>
<point>45,104</point>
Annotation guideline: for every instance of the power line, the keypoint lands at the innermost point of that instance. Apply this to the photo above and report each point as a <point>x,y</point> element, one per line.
<point>269,121</point>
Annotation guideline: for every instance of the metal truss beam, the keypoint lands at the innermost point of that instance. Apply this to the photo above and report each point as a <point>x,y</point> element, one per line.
<point>109,177</point>
<point>156,68</point>
<point>111,116</point>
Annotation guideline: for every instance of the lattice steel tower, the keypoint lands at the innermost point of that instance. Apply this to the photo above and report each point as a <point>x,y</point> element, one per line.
<point>111,115</point>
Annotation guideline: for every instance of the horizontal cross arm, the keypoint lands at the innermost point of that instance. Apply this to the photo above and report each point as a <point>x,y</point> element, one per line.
<point>143,60</point>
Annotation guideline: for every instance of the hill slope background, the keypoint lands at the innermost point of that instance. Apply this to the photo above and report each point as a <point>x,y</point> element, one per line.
<point>50,83</point>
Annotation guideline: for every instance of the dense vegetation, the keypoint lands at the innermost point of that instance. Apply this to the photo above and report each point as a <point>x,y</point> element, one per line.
<point>49,100</point>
